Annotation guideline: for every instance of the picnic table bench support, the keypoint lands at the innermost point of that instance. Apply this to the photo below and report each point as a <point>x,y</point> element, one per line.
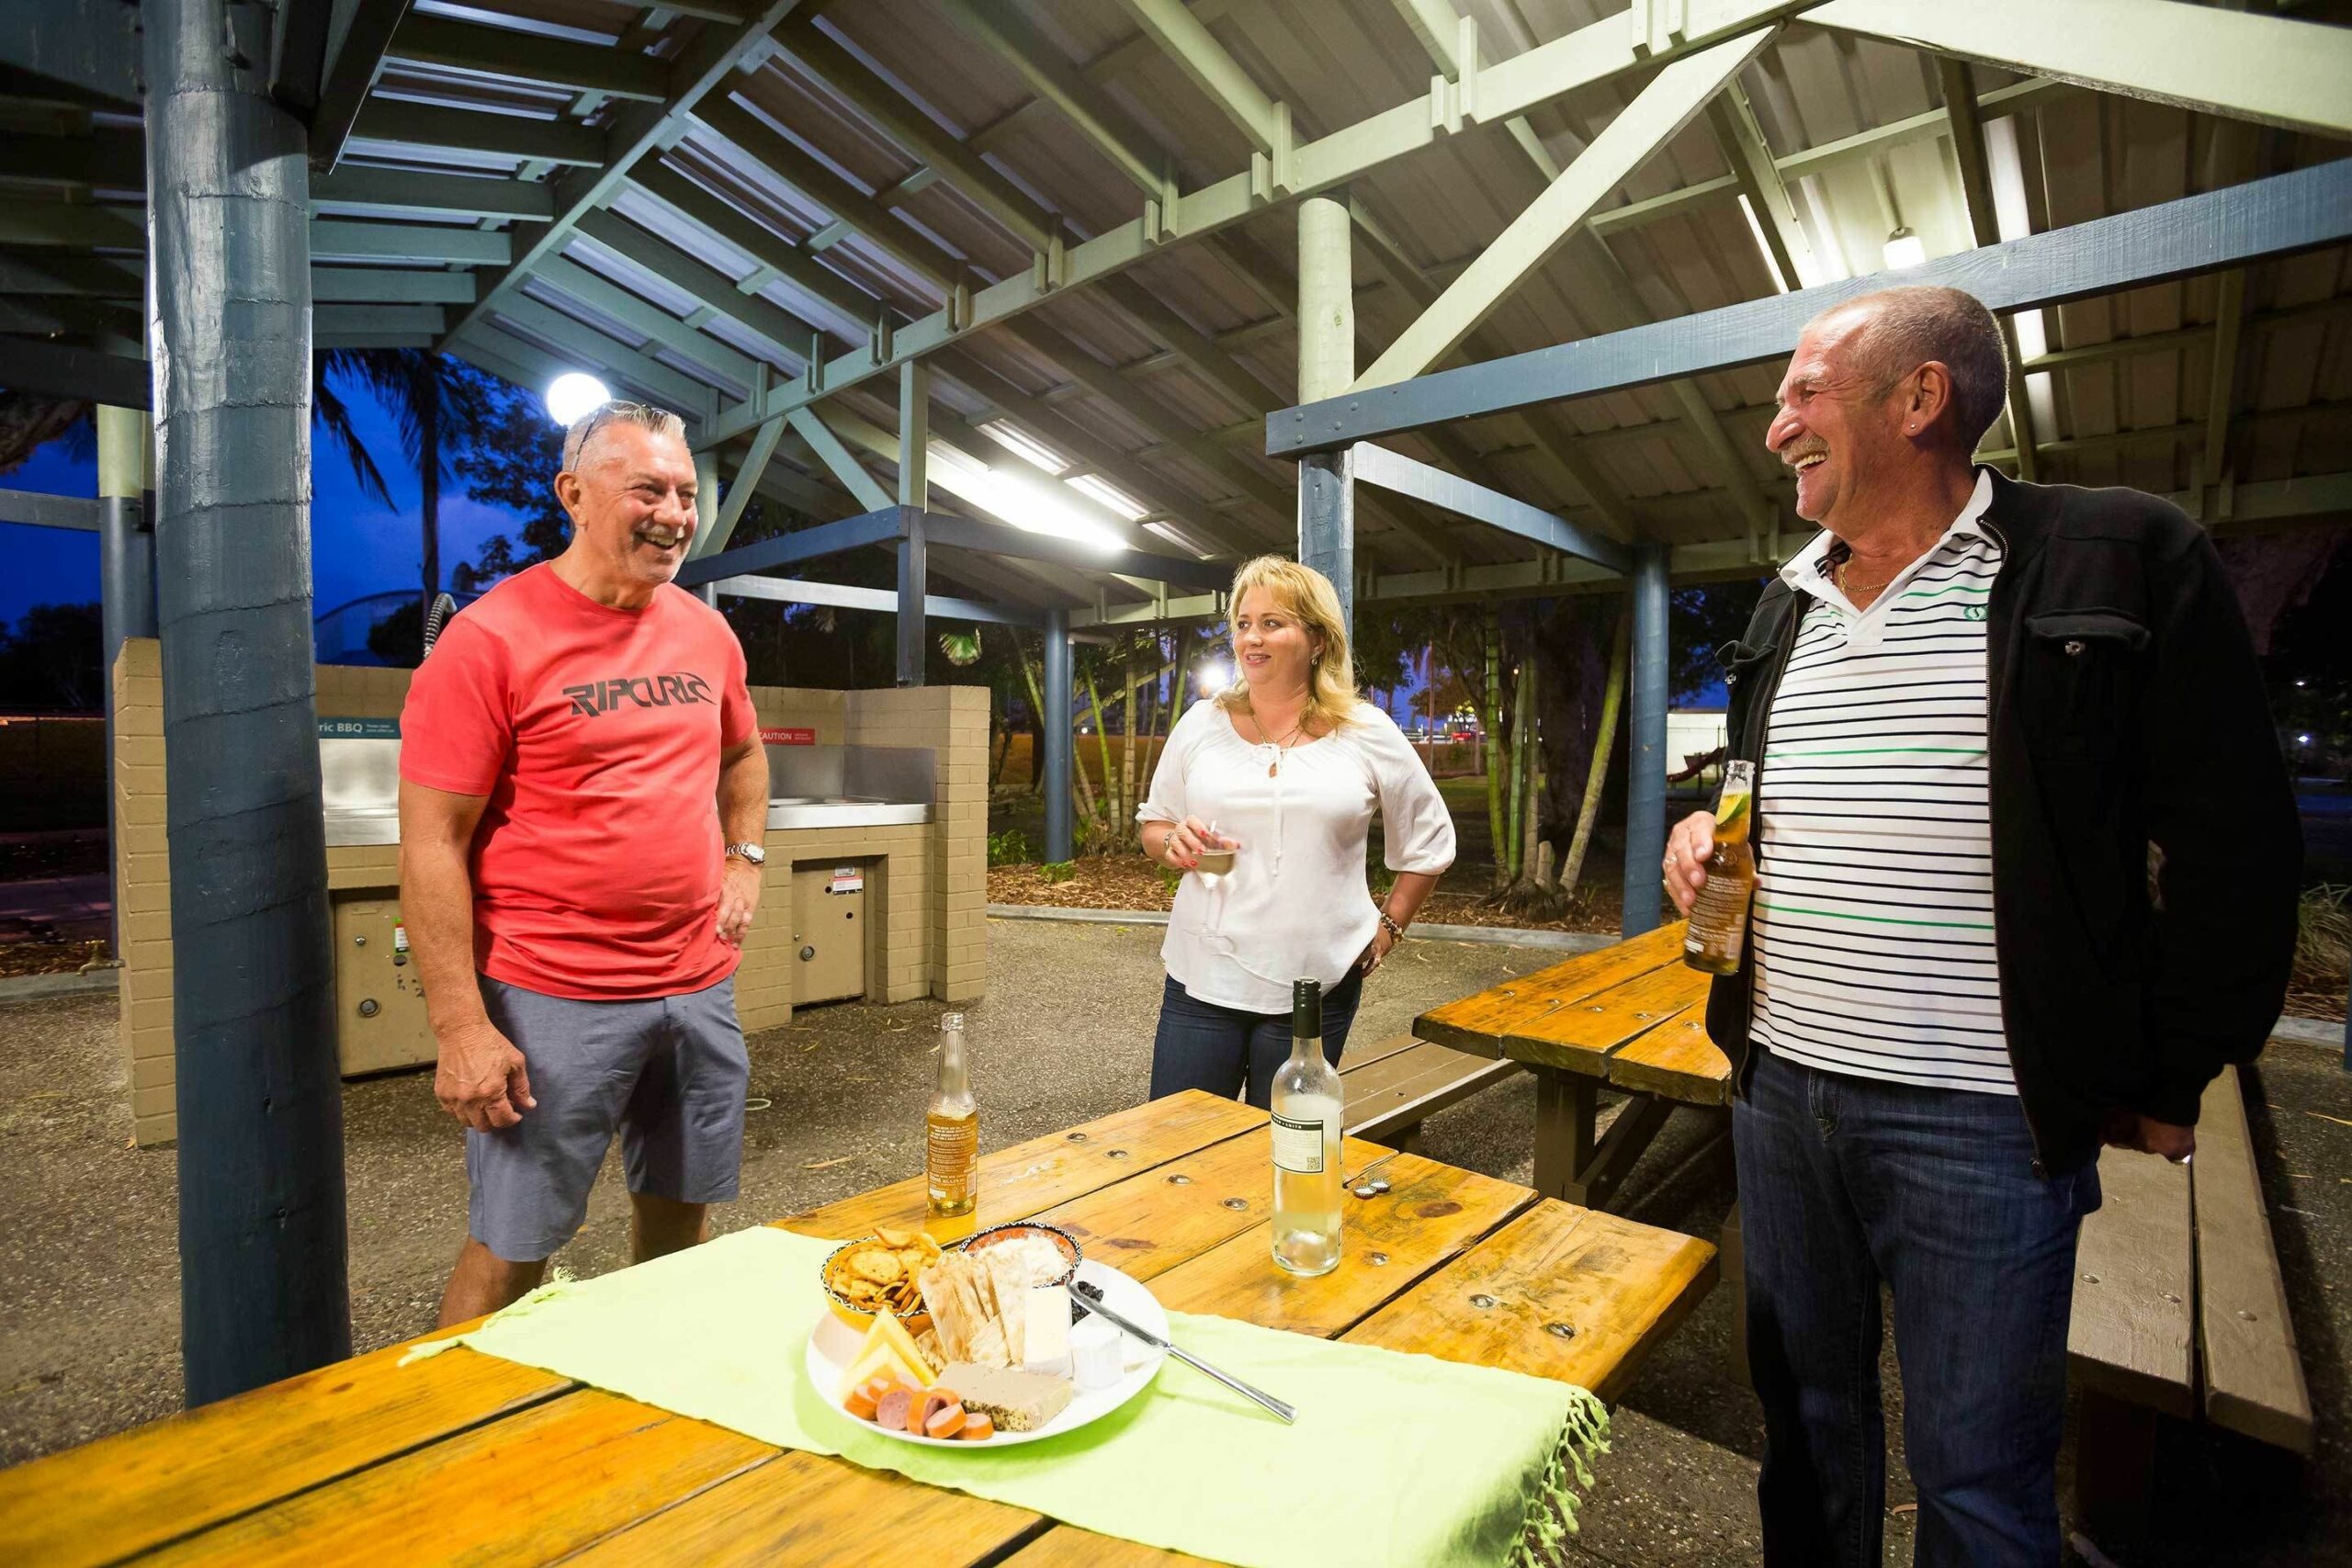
<point>1570,1162</point>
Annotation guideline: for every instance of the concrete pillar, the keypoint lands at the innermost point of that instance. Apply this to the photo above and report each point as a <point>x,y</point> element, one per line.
<point>914,495</point>
<point>1646,756</point>
<point>1055,722</point>
<point>1326,365</point>
<point>125,577</point>
<point>263,1273</point>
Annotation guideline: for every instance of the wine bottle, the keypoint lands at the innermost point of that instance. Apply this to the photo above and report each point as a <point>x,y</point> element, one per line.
<point>1307,1118</point>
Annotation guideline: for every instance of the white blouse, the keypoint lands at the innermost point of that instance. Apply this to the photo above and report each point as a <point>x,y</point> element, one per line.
<point>1295,905</point>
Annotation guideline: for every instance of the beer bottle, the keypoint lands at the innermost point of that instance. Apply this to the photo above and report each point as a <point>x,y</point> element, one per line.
<point>1719,916</point>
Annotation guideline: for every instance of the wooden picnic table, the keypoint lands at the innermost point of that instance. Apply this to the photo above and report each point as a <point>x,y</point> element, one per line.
<point>465,1456</point>
<point>1633,1016</point>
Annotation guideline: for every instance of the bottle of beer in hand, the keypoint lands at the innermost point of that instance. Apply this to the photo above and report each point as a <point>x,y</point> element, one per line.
<point>1719,915</point>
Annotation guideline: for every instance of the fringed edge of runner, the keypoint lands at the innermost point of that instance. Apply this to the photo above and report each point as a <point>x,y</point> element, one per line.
<point>1551,1516</point>
<point>560,1283</point>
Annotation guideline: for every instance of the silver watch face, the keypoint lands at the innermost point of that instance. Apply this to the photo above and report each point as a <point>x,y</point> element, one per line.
<point>752,853</point>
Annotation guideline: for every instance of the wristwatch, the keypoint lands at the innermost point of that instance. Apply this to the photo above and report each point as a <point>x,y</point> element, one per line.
<point>752,853</point>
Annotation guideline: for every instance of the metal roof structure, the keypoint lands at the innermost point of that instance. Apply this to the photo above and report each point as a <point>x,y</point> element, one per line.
<point>1078,218</point>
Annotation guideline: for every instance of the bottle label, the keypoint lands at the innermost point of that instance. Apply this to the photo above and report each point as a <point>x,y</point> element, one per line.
<point>948,1159</point>
<point>1298,1146</point>
<point>1719,918</point>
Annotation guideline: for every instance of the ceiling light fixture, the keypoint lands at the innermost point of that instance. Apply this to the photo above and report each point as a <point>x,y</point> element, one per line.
<point>1905,249</point>
<point>573,396</point>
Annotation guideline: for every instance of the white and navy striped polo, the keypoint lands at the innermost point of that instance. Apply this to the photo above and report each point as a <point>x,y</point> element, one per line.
<point>1872,929</point>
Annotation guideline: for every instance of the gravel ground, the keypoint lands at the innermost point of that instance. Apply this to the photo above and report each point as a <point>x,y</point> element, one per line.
<point>89,1279</point>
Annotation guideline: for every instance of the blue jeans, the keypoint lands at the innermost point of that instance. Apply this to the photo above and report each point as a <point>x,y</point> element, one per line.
<point>1201,1045</point>
<point>1846,1182</point>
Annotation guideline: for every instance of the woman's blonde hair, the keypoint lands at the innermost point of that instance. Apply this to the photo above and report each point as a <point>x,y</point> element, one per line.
<point>1307,594</point>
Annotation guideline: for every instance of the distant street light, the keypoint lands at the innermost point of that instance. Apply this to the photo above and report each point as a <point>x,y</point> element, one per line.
<point>1215,677</point>
<point>574,395</point>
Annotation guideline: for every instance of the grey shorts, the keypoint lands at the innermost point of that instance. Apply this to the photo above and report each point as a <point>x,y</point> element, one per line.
<point>670,1074</point>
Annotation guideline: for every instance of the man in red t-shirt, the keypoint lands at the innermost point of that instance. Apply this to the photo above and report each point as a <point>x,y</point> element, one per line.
<point>583,799</point>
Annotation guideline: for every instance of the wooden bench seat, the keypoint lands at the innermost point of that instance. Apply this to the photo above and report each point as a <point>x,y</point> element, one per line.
<point>1392,1086</point>
<point>2180,1309</point>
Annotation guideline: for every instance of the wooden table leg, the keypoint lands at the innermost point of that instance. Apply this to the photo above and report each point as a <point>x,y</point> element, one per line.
<point>1565,1104</point>
<point>1637,1122</point>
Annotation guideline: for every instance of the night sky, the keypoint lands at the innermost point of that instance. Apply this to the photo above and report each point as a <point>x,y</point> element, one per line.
<point>357,548</point>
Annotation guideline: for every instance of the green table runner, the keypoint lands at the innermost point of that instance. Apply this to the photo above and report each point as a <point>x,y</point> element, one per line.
<point>1396,1459</point>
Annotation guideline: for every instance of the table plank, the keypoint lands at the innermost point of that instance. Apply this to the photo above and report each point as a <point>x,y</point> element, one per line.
<point>1479,1023</point>
<point>1676,1060</point>
<point>1154,1221</point>
<point>1019,1181</point>
<point>816,1512</point>
<point>1430,1214</point>
<point>1579,1035</point>
<point>527,1489</point>
<point>2134,1267</point>
<point>123,1494</point>
<point>2253,1375</point>
<point>1066,1546</point>
<point>1620,1286</point>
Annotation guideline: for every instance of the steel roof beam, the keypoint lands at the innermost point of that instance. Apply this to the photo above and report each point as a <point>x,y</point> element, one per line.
<point>902,122</point>
<point>600,293</point>
<point>878,527</point>
<point>1976,194</point>
<point>358,240</point>
<point>673,390</point>
<point>935,607</point>
<point>2277,216</point>
<point>1591,53</point>
<point>839,461</point>
<point>1741,137</point>
<point>349,76</point>
<point>1049,74</point>
<point>406,190</point>
<point>723,293</point>
<point>639,130</point>
<point>608,69</point>
<point>1185,39</point>
<point>864,214</point>
<point>791,263</point>
<point>1450,493</point>
<point>1095,455</point>
<point>2238,64</point>
<point>742,488</point>
<point>1661,109</point>
<point>521,136</point>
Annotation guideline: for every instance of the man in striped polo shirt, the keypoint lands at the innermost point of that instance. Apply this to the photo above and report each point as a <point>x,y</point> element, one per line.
<point>1982,711</point>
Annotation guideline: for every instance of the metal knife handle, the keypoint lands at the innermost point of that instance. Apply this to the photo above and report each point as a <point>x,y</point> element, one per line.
<point>1235,1384</point>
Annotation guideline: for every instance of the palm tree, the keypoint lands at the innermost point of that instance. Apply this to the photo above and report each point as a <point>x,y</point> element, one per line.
<point>433,399</point>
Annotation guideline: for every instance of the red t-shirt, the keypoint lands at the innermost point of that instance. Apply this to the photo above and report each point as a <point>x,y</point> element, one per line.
<point>595,732</point>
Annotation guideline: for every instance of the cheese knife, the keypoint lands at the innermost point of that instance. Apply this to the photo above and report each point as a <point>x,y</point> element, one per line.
<point>1288,1414</point>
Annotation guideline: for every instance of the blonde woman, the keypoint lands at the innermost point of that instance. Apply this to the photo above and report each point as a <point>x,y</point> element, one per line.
<point>1285,769</point>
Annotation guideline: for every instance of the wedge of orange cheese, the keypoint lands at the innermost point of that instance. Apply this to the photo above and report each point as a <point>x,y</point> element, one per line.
<point>887,1351</point>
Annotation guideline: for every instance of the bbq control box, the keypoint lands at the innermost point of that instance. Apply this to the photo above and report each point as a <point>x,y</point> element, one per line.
<point>378,1000</point>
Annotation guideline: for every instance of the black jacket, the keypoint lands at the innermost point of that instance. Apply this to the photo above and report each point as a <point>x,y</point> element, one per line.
<point>2128,728</point>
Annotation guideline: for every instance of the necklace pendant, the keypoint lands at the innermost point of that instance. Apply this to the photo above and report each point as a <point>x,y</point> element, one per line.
<point>1274,767</point>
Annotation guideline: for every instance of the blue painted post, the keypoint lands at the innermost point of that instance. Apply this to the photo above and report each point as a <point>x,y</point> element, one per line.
<point>1055,722</point>
<point>263,1266</point>
<point>1646,756</point>
<point>1327,365</point>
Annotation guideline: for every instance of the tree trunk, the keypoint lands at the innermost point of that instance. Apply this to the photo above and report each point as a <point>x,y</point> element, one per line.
<point>1127,739</point>
<point>1523,689</point>
<point>1588,810</point>
<point>1036,718</point>
<point>1490,720</point>
<point>1531,754</point>
<point>428,478</point>
<point>1102,755</point>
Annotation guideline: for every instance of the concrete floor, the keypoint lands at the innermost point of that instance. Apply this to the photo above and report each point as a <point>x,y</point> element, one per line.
<point>89,1280</point>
